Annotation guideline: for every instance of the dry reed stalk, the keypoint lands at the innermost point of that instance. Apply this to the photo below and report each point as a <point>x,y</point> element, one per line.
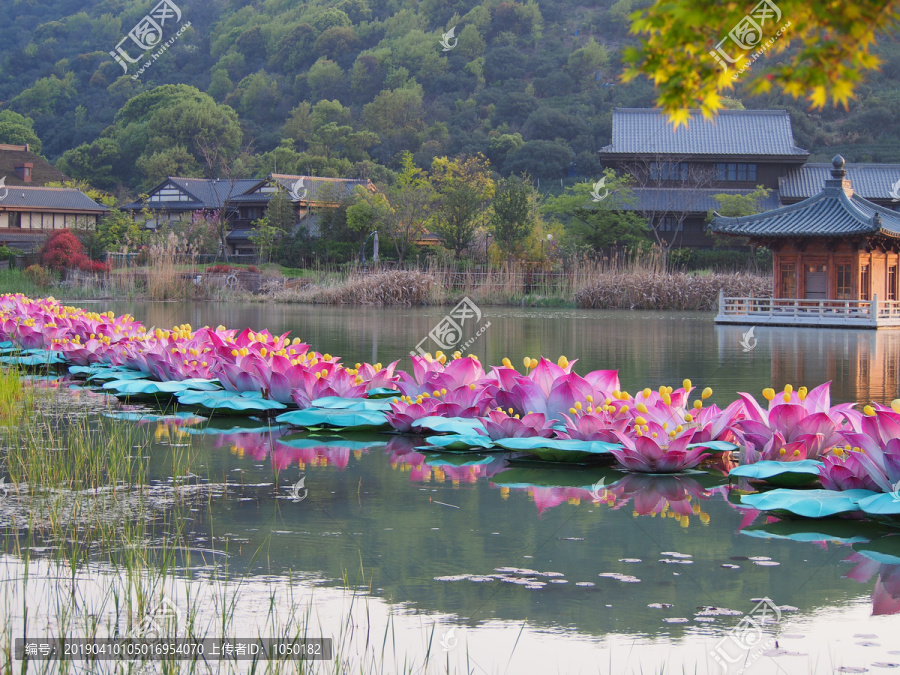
<point>679,291</point>
<point>395,287</point>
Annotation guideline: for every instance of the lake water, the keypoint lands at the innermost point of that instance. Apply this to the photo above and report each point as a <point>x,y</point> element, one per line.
<point>486,565</point>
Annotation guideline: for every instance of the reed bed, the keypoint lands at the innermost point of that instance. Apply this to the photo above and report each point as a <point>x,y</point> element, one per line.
<point>395,287</point>
<point>678,291</point>
<point>626,281</point>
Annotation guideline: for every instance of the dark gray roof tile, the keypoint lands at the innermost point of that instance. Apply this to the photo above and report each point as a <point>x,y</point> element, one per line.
<point>870,181</point>
<point>731,132</point>
<point>63,199</point>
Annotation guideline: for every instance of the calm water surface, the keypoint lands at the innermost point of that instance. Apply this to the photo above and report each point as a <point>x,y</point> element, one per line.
<point>637,573</point>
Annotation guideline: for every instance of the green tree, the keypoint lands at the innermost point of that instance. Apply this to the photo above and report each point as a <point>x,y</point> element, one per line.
<point>513,214</point>
<point>584,62</point>
<point>280,212</point>
<point>834,40</point>
<point>735,206</point>
<point>400,211</point>
<point>18,129</point>
<point>265,237</point>
<point>397,117</point>
<point>602,223</point>
<point>464,190</point>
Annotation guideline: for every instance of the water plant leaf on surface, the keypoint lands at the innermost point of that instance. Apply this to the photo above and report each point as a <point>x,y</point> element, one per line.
<point>382,392</point>
<point>33,360</point>
<point>311,418</point>
<point>462,426</point>
<point>459,442</point>
<point>329,442</point>
<point>807,503</point>
<point>558,450</point>
<point>148,388</point>
<point>229,402</point>
<point>714,446</point>
<point>558,476</point>
<point>881,505</point>
<point>151,416</point>
<point>884,550</point>
<point>340,403</point>
<point>781,474</point>
<point>835,530</point>
<point>467,459</point>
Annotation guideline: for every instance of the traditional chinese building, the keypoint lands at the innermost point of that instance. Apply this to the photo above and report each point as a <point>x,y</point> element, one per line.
<point>836,260</point>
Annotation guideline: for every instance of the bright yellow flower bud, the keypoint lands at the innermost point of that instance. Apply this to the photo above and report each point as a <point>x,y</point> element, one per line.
<point>641,408</point>
<point>698,404</point>
<point>527,361</point>
<point>506,362</point>
<point>869,410</point>
<point>706,393</point>
<point>895,405</point>
<point>788,388</point>
<point>688,418</point>
<point>647,392</point>
<point>562,362</point>
<point>769,393</point>
<point>640,420</point>
<point>686,384</point>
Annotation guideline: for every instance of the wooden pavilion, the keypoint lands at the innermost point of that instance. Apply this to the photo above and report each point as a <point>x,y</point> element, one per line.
<point>836,260</point>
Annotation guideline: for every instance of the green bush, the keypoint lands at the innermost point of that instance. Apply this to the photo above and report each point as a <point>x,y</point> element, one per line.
<point>720,260</point>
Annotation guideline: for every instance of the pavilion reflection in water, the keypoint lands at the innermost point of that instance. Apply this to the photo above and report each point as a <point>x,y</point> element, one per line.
<point>861,365</point>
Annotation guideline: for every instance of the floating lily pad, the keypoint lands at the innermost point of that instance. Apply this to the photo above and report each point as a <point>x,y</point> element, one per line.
<point>33,360</point>
<point>467,459</point>
<point>885,550</point>
<point>841,531</point>
<point>557,476</point>
<point>460,442</point>
<point>235,425</point>
<point>462,426</point>
<point>558,450</point>
<point>329,443</point>
<point>338,403</point>
<point>807,503</point>
<point>781,474</point>
<point>881,504</point>
<point>715,446</point>
<point>382,392</point>
<point>312,418</point>
<point>148,416</point>
<point>229,402</point>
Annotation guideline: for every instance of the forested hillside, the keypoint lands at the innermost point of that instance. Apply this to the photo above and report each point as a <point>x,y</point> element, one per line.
<point>344,88</point>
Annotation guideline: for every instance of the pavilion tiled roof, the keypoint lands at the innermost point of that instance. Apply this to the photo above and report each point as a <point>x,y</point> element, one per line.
<point>836,211</point>
<point>871,181</point>
<point>643,131</point>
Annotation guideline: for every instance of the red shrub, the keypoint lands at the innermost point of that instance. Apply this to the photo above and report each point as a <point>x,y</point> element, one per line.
<point>253,269</point>
<point>219,269</point>
<point>62,251</point>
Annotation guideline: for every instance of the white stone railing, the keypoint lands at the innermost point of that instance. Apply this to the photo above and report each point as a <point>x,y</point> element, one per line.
<point>861,311</point>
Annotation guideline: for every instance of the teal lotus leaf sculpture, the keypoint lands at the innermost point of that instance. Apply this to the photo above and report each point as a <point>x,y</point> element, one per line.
<point>146,388</point>
<point>382,392</point>
<point>112,375</point>
<point>462,426</point>
<point>147,416</point>
<point>312,418</point>
<point>887,504</point>
<point>884,550</point>
<point>557,476</point>
<point>781,474</point>
<point>310,443</point>
<point>33,360</point>
<point>559,450</point>
<point>6,344</point>
<point>836,530</point>
<point>715,446</point>
<point>459,442</point>
<point>468,459</point>
<point>229,402</point>
<point>338,403</point>
<point>807,503</point>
